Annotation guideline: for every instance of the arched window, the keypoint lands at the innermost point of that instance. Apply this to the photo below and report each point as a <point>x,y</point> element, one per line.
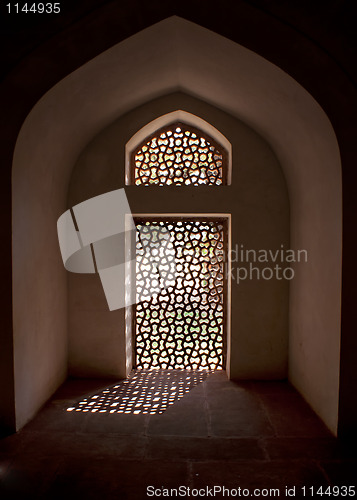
<point>183,325</point>
<point>179,154</point>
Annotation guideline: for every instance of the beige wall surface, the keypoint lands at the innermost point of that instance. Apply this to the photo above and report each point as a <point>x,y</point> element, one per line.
<point>258,202</point>
<point>39,280</point>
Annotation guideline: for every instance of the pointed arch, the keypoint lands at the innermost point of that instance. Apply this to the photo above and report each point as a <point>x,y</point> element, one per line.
<point>250,88</point>
<point>190,123</point>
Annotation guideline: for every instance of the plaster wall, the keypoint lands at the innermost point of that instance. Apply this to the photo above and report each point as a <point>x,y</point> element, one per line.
<point>258,202</point>
<point>39,281</point>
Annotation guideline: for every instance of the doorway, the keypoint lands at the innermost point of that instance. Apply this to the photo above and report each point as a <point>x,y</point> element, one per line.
<point>183,325</point>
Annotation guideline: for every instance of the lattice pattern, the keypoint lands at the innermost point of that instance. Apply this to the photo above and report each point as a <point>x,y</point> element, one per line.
<point>143,392</point>
<point>179,155</point>
<point>182,327</point>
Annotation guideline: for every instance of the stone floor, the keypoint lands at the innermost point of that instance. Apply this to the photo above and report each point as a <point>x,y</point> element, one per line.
<point>99,440</point>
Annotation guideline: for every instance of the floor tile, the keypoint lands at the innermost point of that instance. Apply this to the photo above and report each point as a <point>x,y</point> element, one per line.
<point>293,448</point>
<point>291,416</point>
<point>114,423</point>
<point>193,448</point>
<point>82,445</point>
<point>276,474</point>
<point>341,473</point>
<point>186,418</point>
<point>239,421</point>
<point>217,432</point>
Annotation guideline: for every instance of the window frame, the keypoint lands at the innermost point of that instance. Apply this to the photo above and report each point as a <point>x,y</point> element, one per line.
<point>225,220</point>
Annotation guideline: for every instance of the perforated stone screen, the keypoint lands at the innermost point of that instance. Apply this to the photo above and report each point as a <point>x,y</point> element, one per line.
<point>183,326</point>
<point>179,154</point>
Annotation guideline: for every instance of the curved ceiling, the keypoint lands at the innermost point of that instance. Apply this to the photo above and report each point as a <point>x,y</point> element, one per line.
<point>178,55</point>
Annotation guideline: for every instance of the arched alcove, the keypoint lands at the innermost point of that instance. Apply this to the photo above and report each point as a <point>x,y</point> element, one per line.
<point>258,205</point>
<point>233,79</point>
